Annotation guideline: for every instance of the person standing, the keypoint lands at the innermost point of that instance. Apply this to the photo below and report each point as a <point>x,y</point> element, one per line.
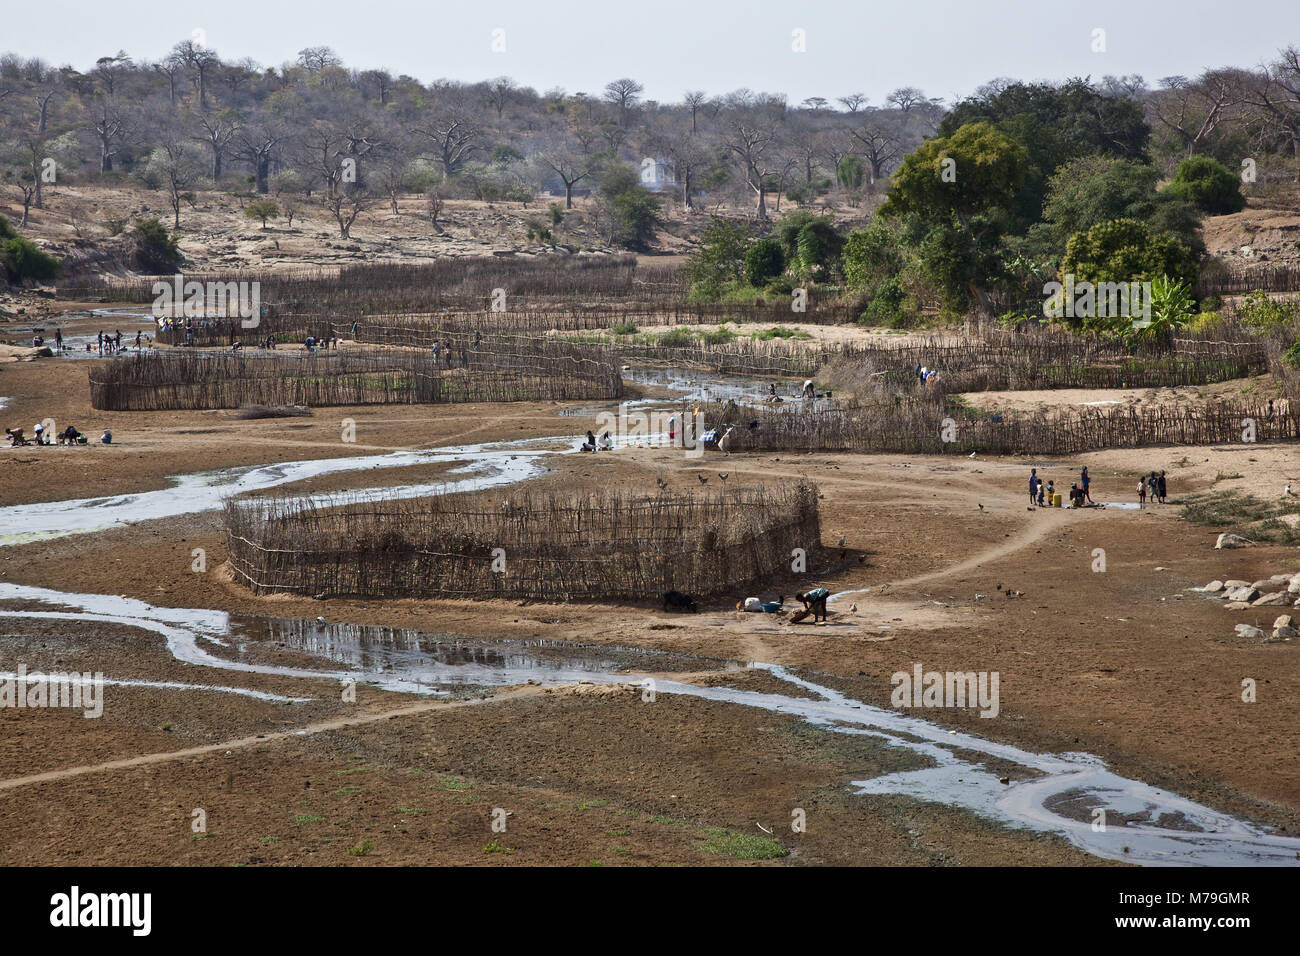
<point>1034,485</point>
<point>101,342</point>
<point>1142,492</point>
<point>1153,485</point>
<point>1084,482</point>
<point>58,339</point>
<point>1161,488</point>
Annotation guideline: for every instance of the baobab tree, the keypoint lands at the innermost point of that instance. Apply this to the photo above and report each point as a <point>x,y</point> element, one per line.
<point>623,93</point>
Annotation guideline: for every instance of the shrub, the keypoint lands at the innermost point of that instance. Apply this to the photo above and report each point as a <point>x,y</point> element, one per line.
<point>1208,185</point>
<point>262,209</point>
<point>884,306</point>
<point>624,328</point>
<point>818,246</point>
<point>155,250</point>
<point>1262,312</point>
<point>719,259</point>
<point>1125,250</point>
<point>764,260</point>
<point>21,259</point>
<point>718,336</point>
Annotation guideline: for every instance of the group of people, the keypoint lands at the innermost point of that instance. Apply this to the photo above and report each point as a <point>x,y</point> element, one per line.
<point>69,436</point>
<point>1041,493</point>
<point>604,443</point>
<point>926,376</point>
<point>1151,486</point>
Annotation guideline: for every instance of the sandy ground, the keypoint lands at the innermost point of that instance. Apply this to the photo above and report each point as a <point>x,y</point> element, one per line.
<point>1128,664</point>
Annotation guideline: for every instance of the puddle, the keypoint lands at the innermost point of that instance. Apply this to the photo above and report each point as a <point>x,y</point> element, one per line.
<point>1148,825</point>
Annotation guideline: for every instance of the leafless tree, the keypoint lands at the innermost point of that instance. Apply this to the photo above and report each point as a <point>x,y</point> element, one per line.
<point>1191,110</point>
<point>853,102</point>
<point>623,93</point>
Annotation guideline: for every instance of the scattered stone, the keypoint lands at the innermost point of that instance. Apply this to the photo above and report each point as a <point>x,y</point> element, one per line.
<point>1295,585</point>
<point>1280,579</point>
<point>1230,541</point>
<point>1214,587</point>
<point>1263,584</point>
<point>1236,605</point>
<point>1246,593</point>
<point>1283,620</point>
<point>1234,583</point>
<point>1246,630</point>
<point>1277,598</point>
<point>1285,633</point>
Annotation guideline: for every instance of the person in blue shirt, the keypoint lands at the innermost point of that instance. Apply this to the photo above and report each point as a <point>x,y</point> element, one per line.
<point>1034,484</point>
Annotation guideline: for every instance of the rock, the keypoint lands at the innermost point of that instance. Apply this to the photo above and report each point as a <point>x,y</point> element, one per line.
<point>1246,593</point>
<point>1236,605</point>
<point>1246,630</point>
<point>1214,587</point>
<point>1263,584</point>
<point>1282,620</point>
<point>1277,598</point>
<point>1230,541</point>
<point>1234,583</point>
<point>1284,633</point>
<point>1280,579</point>
<point>1295,585</point>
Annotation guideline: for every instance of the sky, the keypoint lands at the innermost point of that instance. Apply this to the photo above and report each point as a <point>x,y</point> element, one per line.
<point>945,47</point>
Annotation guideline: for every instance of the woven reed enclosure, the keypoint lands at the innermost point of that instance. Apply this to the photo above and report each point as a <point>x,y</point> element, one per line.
<point>554,546</point>
<point>916,426</point>
<point>555,371</point>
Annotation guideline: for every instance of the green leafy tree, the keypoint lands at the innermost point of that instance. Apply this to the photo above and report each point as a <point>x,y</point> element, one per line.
<point>1125,250</point>
<point>628,211</point>
<point>850,172</point>
<point>764,261</point>
<point>1054,123</point>
<point>20,258</point>
<point>818,247</point>
<point>973,172</point>
<point>718,260</point>
<point>1208,185</point>
<point>155,252</point>
<point>262,209</point>
<point>871,255</point>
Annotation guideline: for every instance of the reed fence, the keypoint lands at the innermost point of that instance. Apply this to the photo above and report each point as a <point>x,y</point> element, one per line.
<point>195,380</point>
<point>539,545</point>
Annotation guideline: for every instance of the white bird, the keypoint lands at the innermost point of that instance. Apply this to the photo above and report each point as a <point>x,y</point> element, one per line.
<point>1286,491</point>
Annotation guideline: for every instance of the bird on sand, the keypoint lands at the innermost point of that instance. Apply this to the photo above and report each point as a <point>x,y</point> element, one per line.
<point>703,480</point>
<point>722,476</point>
<point>662,484</point>
<point>981,507</point>
<point>843,538</point>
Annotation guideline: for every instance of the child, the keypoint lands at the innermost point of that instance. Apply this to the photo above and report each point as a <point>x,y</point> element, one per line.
<point>1142,492</point>
<point>1051,494</point>
<point>1034,484</point>
<point>1041,491</point>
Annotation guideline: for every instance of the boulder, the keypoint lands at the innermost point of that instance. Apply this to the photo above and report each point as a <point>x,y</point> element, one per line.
<point>1263,584</point>
<point>1214,587</point>
<point>1285,633</point>
<point>1282,620</point>
<point>1247,630</point>
<point>1294,587</point>
<point>1276,599</point>
<point>1236,583</point>
<point>1236,605</point>
<point>1246,593</point>
<point>1280,579</point>
<point>1230,541</point>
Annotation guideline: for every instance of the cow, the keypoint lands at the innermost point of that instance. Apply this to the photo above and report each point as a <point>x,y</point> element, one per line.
<point>679,600</point>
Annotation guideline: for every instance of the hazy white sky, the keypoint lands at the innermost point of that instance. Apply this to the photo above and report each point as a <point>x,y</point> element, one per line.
<point>945,47</point>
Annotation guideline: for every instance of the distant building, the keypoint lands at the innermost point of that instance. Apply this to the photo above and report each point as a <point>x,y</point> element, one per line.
<point>657,175</point>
